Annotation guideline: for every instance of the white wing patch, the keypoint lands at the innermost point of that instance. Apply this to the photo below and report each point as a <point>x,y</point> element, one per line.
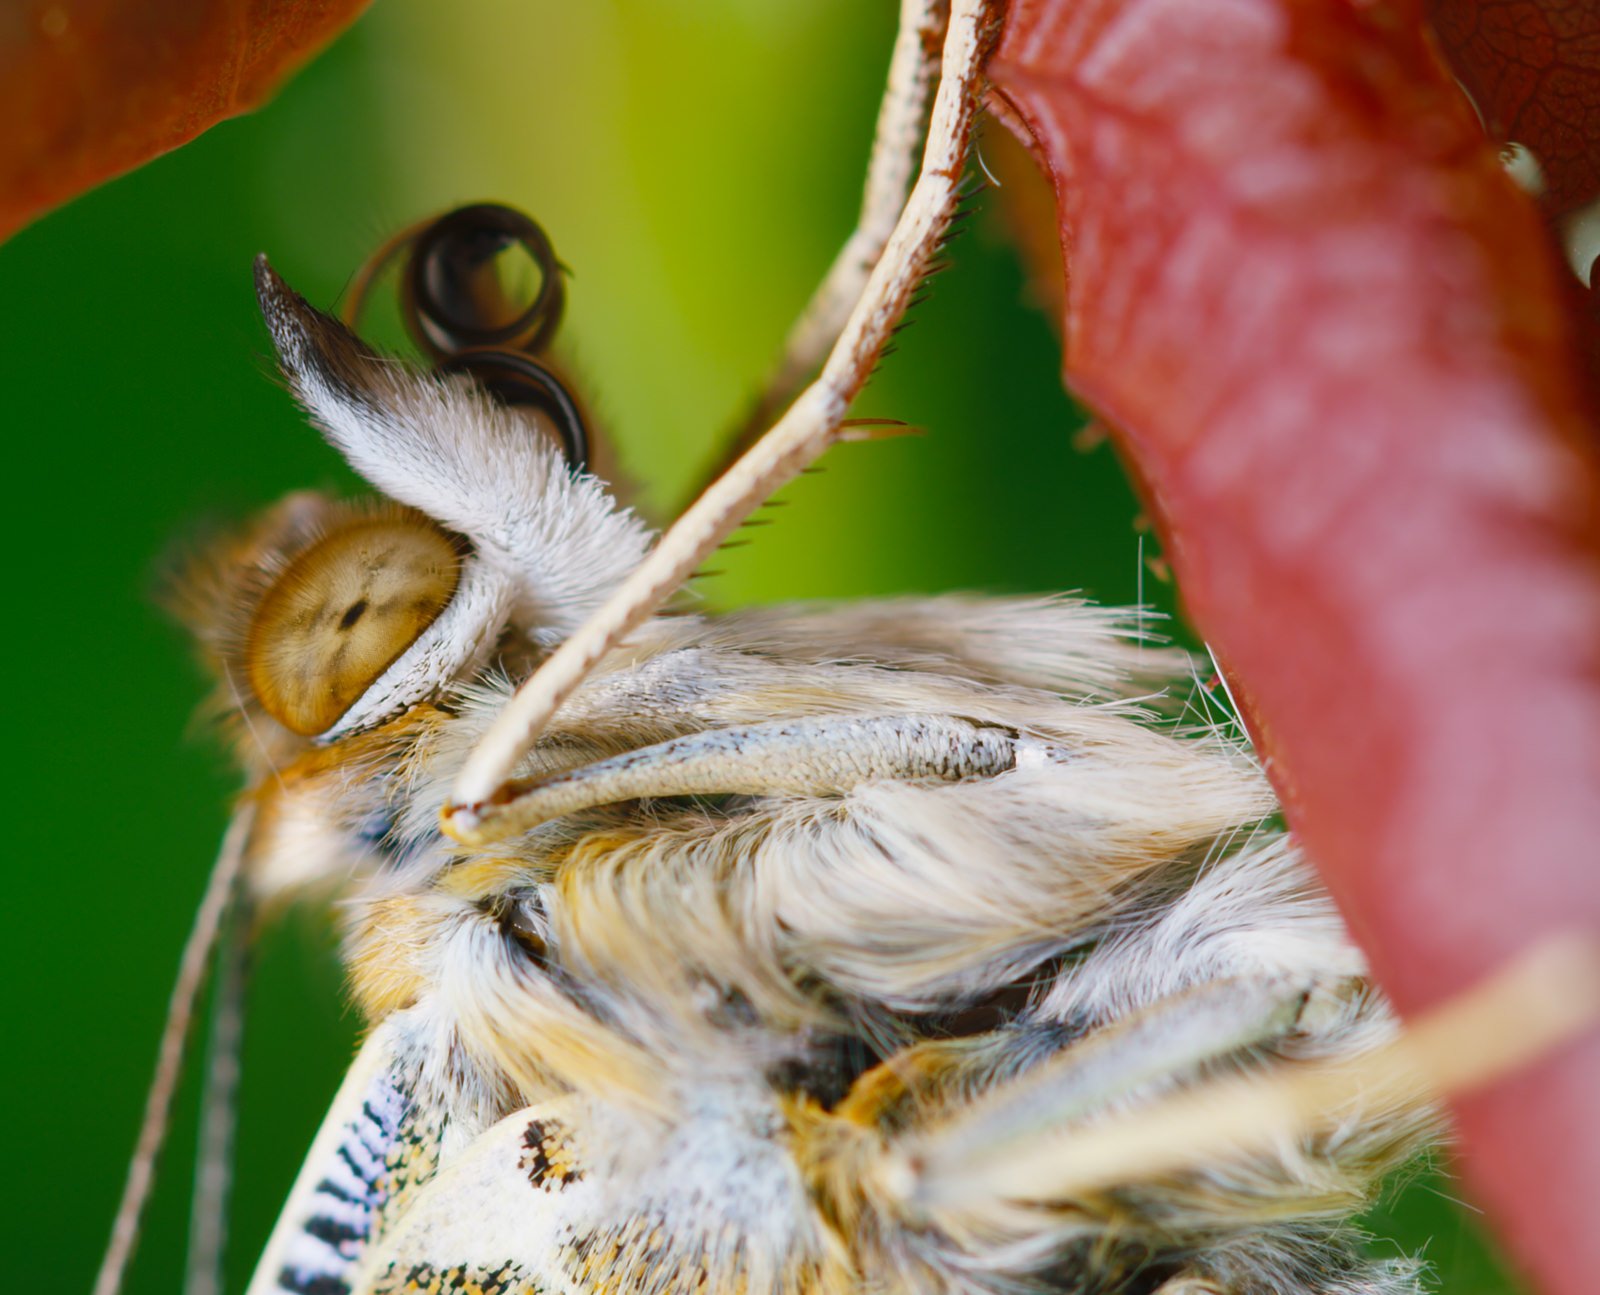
<point>501,1219</point>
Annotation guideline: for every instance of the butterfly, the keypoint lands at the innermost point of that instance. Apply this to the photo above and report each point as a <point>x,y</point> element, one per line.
<point>814,926</point>
<point>798,949</point>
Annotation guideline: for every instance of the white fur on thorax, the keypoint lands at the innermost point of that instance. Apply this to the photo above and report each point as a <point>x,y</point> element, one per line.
<point>1143,849</point>
<point>686,953</point>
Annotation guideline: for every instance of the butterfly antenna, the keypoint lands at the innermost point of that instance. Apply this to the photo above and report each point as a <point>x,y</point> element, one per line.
<point>192,967</point>
<point>204,1272</point>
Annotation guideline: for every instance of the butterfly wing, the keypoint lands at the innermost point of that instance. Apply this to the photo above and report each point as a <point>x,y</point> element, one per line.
<point>375,1146</point>
<point>504,1217</point>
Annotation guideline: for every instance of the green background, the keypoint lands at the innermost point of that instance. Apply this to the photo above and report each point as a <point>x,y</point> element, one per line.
<point>697,166</point>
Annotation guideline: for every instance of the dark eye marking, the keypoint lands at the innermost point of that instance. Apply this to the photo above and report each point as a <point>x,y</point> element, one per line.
<point>353,613</point>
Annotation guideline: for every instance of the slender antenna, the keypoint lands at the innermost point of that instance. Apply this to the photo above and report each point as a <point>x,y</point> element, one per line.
<point>192,967</point>
<point>204,1272</point>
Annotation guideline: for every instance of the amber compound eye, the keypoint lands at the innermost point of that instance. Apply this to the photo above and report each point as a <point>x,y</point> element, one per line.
<point>342,612</point>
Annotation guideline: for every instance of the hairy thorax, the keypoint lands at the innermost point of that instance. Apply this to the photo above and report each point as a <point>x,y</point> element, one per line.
<point>720,1027</point>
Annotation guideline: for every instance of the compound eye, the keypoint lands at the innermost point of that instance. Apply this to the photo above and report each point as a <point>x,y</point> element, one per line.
<point>341,614</point>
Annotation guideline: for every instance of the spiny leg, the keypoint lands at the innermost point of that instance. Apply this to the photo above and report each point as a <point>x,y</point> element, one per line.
<point>1076,1147</point>
<point>819,756</point>
<point>972,1166</point>
<point>810,425</point>
<point>1376,1278</point>
<point>902,118</point>
<point>1363,1276</point>
<point>934,1168</point>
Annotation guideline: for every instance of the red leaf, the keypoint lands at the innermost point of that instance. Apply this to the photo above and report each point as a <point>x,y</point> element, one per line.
<point>1328,332</point>
<point>1533,68</point>
<point>92,88</point>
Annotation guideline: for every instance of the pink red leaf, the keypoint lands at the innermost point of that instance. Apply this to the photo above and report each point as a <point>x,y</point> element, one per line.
<point>92,88</point>
<point>1329,335</point>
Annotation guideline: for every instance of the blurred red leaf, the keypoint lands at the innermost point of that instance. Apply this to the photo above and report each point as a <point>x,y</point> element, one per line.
<point>1533,69</point>
<point>92,88</point>
<point>1328,333</point>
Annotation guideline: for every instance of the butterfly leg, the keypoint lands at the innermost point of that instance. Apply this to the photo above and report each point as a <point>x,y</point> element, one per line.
<point>902,119</point>
<point>966,1161</point>
<point>934,1142</point>
<point>811,424</point>
<point>819,756</point>
<point>1376,1278</point>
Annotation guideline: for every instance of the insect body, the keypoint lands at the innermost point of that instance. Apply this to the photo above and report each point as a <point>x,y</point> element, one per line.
<point>817,927</point>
